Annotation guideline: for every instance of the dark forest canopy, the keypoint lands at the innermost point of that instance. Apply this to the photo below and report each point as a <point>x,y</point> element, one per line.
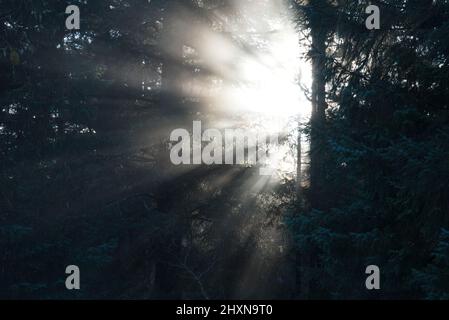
<point>85,175</point>
<point>384,188</point>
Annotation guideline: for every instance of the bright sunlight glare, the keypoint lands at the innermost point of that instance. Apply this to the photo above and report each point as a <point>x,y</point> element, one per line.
<point>271,80</point>
<point>256,69</point>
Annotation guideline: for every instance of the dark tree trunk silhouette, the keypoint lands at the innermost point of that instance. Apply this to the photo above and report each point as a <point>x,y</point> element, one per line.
<point>318,117</point>
<point>316,13</point>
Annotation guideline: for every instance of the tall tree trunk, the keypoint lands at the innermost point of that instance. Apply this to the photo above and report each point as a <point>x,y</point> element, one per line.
<point>318,55</point>
<point>299,167</point>
<point>317,19</point>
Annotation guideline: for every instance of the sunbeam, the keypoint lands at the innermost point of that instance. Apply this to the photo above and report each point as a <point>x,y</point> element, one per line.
<point>243,73</point>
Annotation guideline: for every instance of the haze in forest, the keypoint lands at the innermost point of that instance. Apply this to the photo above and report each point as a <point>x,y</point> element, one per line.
<point>360,171</point>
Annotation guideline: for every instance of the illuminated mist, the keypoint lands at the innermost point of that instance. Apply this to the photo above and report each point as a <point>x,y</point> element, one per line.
<point>244,72</point>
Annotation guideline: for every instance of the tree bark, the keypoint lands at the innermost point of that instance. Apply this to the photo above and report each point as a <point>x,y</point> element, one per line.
<point>317,20</point>
<point>318,117</point>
